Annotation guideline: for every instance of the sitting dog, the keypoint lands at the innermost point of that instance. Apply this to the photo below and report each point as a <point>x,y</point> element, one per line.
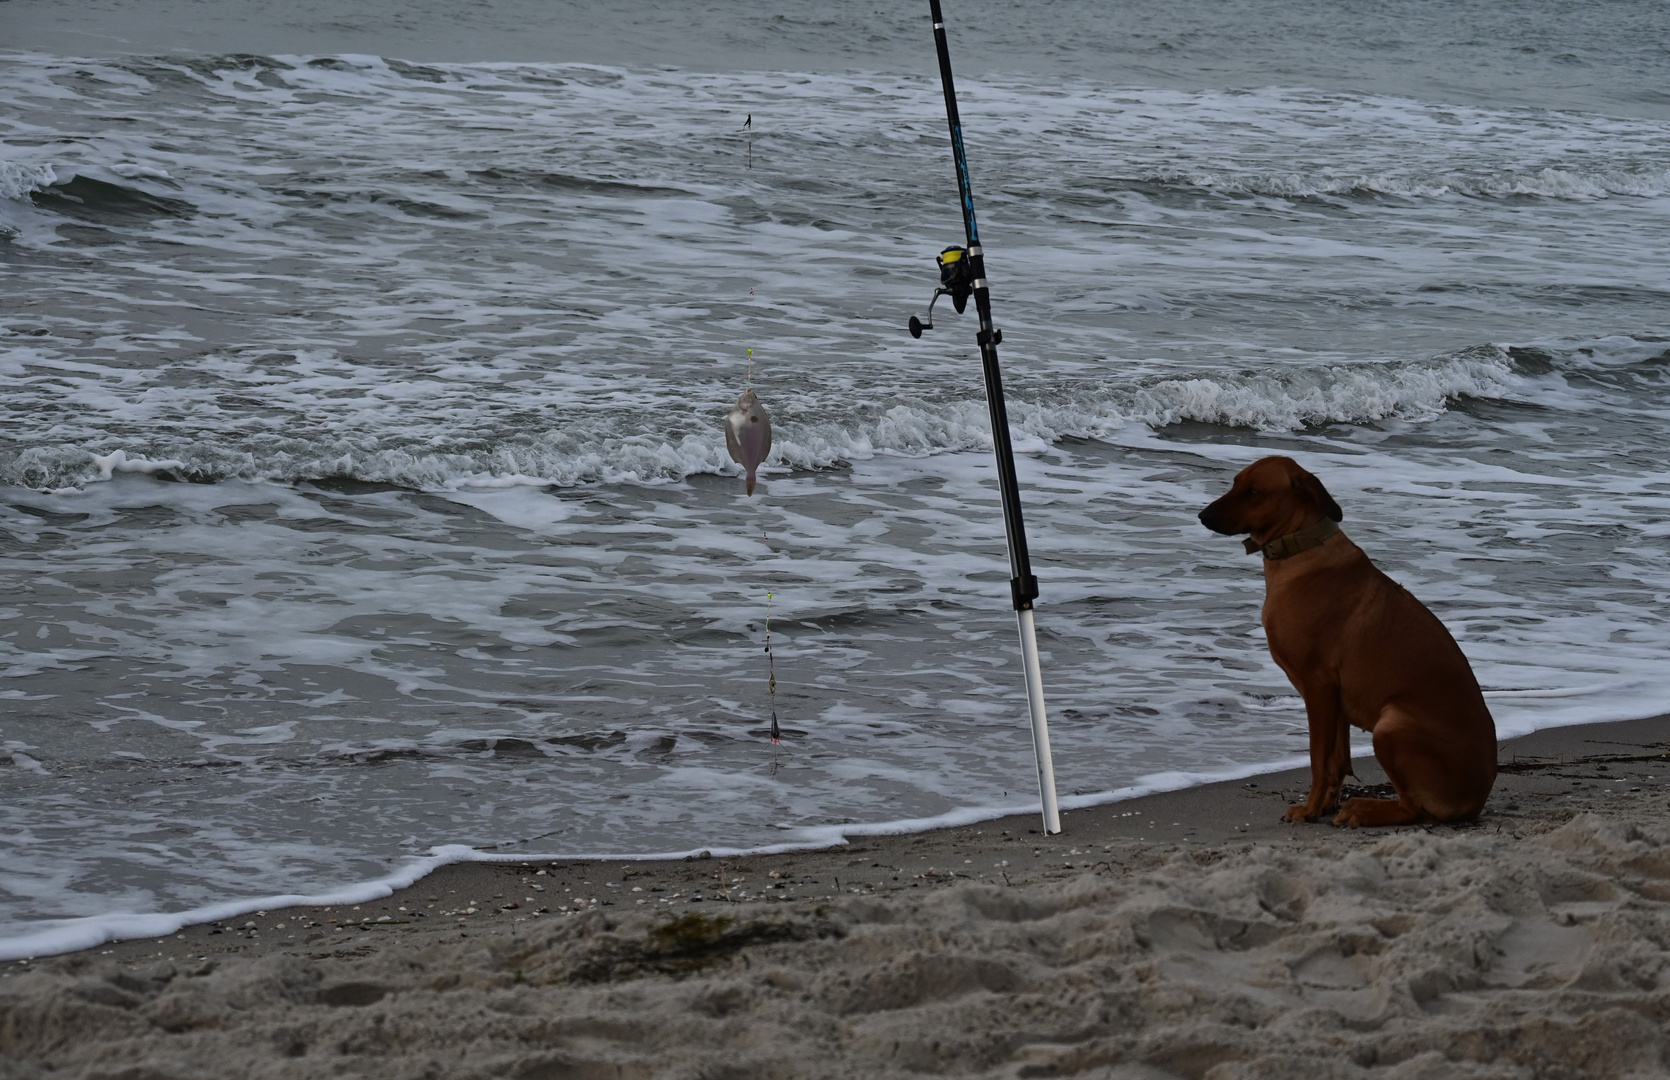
<point>1360,650</point>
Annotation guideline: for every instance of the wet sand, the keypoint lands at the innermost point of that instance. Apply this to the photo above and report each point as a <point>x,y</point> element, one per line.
<point>1186,934</point>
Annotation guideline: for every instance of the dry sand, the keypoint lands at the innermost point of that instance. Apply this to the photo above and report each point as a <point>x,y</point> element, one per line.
<point>1189,934</point>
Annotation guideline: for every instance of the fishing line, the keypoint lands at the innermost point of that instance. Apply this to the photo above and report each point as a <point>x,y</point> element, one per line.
<point>771,666</point>
<point>770,656</point>
<point>776,731</point>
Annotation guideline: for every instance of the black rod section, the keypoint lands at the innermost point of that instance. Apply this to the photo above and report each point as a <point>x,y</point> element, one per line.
<point>1023,586</point>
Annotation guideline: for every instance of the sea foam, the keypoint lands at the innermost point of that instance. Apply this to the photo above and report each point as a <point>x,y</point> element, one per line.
<point>19,181</point>
<point>1281,399</point>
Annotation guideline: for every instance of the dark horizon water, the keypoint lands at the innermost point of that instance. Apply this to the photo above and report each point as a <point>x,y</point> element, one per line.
<point>362,488</point>
<point>1607,56</point>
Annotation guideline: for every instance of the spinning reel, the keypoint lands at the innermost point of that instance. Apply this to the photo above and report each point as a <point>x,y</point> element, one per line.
<point>956,280</point>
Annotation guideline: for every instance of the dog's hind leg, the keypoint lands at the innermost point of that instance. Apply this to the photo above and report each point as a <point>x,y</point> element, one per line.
<point>1418,771</point>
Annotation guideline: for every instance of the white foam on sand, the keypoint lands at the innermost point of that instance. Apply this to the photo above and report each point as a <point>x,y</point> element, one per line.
<point>51,937</point>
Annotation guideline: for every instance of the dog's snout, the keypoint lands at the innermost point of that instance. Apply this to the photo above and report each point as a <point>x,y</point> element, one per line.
<point>1212,517</point>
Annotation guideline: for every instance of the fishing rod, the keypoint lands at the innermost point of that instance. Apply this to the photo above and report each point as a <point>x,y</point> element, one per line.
<point>963,273</point>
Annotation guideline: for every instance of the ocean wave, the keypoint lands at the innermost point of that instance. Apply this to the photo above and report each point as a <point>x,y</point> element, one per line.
<point>91,199</point>
<point>1550,183</point>
<point>100,194</point>
<point>1294,398</point>
<point>617,451</point>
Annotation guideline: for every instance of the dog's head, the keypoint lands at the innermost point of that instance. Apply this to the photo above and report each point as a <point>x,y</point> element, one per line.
<point>1271,497</point>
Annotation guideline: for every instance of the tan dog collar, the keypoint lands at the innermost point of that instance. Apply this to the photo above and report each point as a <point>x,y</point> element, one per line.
<point>1293,542</point>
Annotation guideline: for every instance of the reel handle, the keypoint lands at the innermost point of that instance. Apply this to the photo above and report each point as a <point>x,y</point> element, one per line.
<point>917,325</point>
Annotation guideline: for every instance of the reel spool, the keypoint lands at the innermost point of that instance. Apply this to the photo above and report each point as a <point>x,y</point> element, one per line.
<point>956,280</point>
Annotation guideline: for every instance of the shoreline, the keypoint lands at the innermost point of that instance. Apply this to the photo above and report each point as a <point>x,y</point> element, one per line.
<point>456,860</point>
<point>1182,934</point>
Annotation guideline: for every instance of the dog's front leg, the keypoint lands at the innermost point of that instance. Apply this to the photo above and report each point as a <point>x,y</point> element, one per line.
<point>1330,754</point>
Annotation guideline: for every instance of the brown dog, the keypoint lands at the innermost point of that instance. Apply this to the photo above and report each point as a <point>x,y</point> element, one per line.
<point>1360,650</point>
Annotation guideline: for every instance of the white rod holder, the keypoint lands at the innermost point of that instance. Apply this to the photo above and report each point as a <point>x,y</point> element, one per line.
<point>1040,721</point>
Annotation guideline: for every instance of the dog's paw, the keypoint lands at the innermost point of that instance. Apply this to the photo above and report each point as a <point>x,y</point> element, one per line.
<point>1359,812</point>
<point>1299,813</point>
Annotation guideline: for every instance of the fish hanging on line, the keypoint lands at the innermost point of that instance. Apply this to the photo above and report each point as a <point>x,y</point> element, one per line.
<point>748,434</point>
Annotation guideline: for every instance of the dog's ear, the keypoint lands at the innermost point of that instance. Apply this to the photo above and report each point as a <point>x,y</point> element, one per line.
<point>1311,488</point>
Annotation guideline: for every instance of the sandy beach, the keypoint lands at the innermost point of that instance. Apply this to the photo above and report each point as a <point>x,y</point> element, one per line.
<point>1188,934</point>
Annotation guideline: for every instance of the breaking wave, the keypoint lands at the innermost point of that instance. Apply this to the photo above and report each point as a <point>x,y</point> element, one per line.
<point>1290,399</point>
<point>616,451</point>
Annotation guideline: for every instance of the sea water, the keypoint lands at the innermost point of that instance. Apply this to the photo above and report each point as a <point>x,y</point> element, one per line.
<point>363,496</point>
